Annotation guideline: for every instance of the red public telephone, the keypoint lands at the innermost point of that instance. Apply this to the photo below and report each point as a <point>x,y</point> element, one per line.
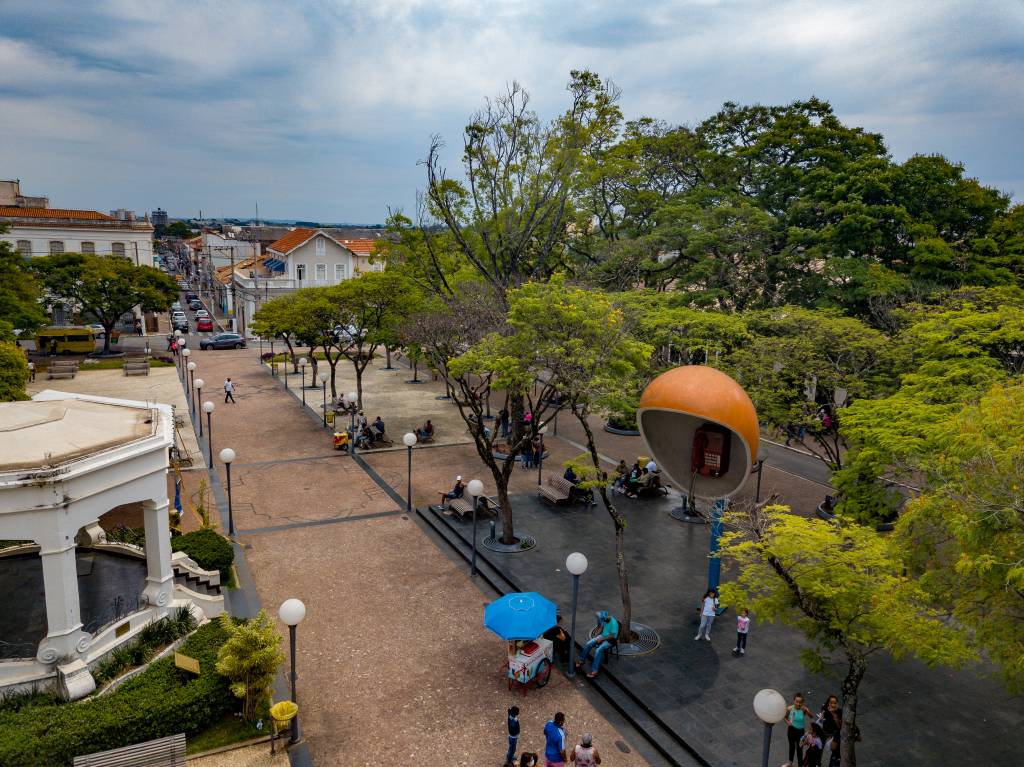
<point>710,455</point>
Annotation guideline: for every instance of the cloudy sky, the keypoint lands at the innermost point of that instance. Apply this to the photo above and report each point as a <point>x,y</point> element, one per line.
<point>320,109</point>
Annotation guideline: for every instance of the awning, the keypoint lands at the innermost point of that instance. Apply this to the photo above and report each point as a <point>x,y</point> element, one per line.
<point>274,265</point>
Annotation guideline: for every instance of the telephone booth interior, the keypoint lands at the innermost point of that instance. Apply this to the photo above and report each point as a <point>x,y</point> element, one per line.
<point>701,428</point>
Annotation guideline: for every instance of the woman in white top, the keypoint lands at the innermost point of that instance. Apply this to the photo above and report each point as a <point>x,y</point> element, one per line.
<point>585,754</point>
<point>708,611</point>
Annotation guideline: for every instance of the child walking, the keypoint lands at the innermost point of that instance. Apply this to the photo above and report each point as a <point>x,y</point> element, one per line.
<point>742,628</point>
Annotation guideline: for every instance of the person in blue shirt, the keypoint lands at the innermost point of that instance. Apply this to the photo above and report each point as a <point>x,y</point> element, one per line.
<point>554,736</point>
<point>513,734</point>
<point>608,632</point>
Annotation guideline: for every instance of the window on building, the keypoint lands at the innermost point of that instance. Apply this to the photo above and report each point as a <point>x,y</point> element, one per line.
<point>339,272</point>
<point>88,247</point>
<point>300,272</point>
<point>117,248</point>
<point>56,247</point>
<point>321,246</point>
<point>321,272</point>
<point>25,247</point>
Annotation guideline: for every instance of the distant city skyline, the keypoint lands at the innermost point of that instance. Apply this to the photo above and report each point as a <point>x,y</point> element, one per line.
<point>320,111</point>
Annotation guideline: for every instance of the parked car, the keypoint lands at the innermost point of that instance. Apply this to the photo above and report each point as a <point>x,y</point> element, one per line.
<point>176,306</point>
<point>98,330</point>
<point>191,295</point>
<point>194,304</point>
<point>204,323</point>
<point>202,313</point>
<point>347,333</point>
<point>223,341</point>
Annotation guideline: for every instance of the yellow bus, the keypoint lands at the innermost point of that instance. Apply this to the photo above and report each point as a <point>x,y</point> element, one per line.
<point>66,340</point>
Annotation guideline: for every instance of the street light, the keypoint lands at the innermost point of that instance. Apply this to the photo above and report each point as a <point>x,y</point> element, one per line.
<point>192,386</point>
<point>409,439</point>
<point>208,409</point>
<point>540,453</point>
<point>323,381</point>
<point>227,455</point>
<point>302,364</point>
<point>475,488</point>
<point>770,707</point>
<point>199,395</point>
<point>576,564</point>
<point>291,613</point>
<point>273,362</point>
<point>185,354</point>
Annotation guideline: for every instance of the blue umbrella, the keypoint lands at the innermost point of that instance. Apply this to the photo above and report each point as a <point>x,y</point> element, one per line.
<point>524,615</point>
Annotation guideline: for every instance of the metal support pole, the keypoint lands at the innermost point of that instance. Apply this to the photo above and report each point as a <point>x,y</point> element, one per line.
<point>192,391</point>
<point>472,567</point>
<point>296,734</point>
<point>760,471</point>
<point>540,459</point>
<point>273,362</point>
<point>231,517</point>
<point>285,368</point>
<point>767,744</point>
<point>714,563</point>
<point>303,387</point>
<point>325,404</point>
<point>572,633</point>
<point>408,497</point>
<point>199,395</point>
<point>209,437</point>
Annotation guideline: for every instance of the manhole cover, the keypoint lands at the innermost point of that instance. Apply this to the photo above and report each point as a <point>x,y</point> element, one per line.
<point>645,640</point>
<point>524,543</point>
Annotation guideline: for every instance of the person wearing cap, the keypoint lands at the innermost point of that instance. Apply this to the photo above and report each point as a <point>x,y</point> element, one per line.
<point>607,633</point>
<point>455,492</point>
<point>585,754</point>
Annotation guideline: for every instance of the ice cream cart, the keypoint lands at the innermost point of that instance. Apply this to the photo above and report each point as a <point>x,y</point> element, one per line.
<point>529,662</point>
<point>521,619</point>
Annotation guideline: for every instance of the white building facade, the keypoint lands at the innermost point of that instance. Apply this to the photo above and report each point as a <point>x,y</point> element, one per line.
<point>36,232</point>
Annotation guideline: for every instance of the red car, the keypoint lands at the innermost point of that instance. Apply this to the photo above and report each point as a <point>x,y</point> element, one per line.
<point>204,323</point>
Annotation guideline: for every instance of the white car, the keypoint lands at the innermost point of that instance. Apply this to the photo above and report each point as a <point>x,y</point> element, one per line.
<point>202,313</point>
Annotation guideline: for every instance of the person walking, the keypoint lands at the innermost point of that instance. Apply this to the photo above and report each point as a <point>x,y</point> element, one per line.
<point>798,716</point>
<point>554,737</point>
<point>708,611</point>
<point>830,718</point>
<point>31,370</point>
<point>585,754</point>
<point>742,629</point>
<point>513,734</point>
<point>229,391</point>
<point>503,422</point>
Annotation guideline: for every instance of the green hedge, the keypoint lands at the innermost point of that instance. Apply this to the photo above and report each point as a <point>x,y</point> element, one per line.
<point>209,549</point>
<point>161,701</point>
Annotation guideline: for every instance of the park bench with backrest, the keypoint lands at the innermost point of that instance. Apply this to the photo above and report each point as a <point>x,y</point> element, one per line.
<point>62,369</point>
<point>463,507</point>
<point>163,752</point>
<point>136,367</point>
<point>557,490</point>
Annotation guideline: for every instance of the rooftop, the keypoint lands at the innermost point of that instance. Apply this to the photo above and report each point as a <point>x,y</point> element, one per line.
<point>292,240</point>
<point>10,211</point>
<point>37,434</point>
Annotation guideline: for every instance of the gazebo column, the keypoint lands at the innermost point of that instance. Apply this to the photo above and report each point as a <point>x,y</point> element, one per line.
<point>64,636</point>
<point>159,574</point>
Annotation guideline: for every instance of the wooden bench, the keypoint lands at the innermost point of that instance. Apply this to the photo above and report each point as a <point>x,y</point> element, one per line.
<point>62,369</point>
<point>136,367</point>
<point>463,507</point>
<point>163,752</point>
<point>557,490</point>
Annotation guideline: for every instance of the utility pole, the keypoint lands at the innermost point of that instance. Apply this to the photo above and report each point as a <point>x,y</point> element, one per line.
<point>231,277</point>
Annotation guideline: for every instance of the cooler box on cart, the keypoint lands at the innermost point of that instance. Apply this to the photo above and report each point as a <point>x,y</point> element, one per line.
<point>522,665</point>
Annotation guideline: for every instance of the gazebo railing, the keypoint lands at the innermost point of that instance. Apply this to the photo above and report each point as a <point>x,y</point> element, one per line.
<point>119,607</point>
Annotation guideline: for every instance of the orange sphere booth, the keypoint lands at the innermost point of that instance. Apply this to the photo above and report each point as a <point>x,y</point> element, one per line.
<point>701,428</point>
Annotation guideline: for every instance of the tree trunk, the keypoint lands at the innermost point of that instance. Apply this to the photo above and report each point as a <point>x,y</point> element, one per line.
<point>387,356</point>
<point>625,630</point>
<point>851,684</point>
<point>107,333</point>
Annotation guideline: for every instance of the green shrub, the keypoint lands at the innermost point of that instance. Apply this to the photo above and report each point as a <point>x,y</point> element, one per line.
<point>153,637</point>
<point>209,549</point>
<point>161,701</point>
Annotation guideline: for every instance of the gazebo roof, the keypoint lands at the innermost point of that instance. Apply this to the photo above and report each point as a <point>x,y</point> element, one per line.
<point>45,433</point>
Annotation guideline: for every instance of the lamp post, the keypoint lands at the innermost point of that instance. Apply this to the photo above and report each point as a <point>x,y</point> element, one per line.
<point>199,395</point>
<point>273,362</point>
<point>323,383</point>
<point>770,707</point>
<point>576,564</point>
<point>475,488</point>
<point>227,455</point>
<point>540,453</point>
<point>409,439</point>
<point>291,613</point>
<point>192,386</point>
<point>302,365</point>
<point>208,409</point>
<point>185,354</point>
<point>760,471</point>
<point>285,368</point>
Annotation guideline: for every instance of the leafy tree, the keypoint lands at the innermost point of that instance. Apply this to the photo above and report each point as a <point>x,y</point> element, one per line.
<point>965,534</point>
<point>288,317</point>
<point>842,586</point>
<point>105,286</point>
<point>250,658</point>
<point>13,372</point>
<point>179,229</point>
<point>19,293</point>
<point>803,366</point>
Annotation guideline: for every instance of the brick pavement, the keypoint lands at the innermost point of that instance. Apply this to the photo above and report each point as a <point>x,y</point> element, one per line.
<point>393,666</point>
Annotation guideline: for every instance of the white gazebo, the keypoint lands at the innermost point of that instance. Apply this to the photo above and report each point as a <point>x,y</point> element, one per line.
<point>65,460</point>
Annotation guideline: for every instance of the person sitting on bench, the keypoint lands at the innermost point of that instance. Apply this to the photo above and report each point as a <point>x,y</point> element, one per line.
<point>456,492</point>
<point>607,635</point>
<point>378,427</point>
<point>364,438</point>
<point>426,431</point>
<point>586,495</point>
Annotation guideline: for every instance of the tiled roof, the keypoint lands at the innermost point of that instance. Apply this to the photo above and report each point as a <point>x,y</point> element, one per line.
<point>223,273</point>
<point>292,240</point>
<point>360,247</point>
<point>81,215</point>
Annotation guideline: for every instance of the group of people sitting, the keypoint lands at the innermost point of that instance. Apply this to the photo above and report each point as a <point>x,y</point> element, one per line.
<point>425,432</point>
<point>367,434</point>
<point>585,495</point>
<point>632,482</point>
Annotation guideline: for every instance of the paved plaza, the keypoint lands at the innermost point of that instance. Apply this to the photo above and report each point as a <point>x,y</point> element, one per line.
<point>393,659</point>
